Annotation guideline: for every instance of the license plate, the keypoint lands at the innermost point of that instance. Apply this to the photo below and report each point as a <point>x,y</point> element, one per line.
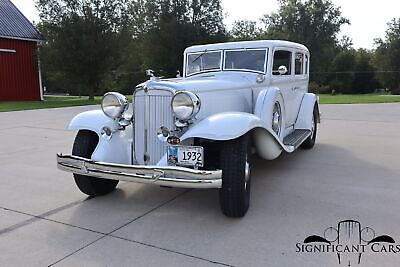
<point>186,155</point>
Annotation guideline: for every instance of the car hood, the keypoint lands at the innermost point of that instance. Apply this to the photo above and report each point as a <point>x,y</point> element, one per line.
<point>203,83</point>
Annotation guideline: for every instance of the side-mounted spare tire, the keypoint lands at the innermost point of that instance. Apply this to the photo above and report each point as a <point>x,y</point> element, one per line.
<point>84,145</point>
<point>235,162</point>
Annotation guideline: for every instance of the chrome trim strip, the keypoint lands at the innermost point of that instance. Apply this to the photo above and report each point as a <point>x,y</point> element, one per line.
<point>155,85</point>
<point>196,103</point>
<point>135,161</point>
<point>165,176</point>
<point>146,125</point>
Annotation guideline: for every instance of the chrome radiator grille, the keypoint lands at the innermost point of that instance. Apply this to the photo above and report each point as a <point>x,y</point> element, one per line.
<point>152,110</point>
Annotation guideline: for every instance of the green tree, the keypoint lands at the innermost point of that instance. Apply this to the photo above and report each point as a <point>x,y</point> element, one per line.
<point>84,40</point>
<point>173,26</point>
<point>352,72</point>
<point>341,70</point>
<point>314,23</point>
<point>365,80</point>
<point>245,30</point>
<point>387,57</point>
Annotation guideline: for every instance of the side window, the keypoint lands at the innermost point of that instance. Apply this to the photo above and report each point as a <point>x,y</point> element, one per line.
<point>299,64</point>
<point>306,62</point>
<point>282,58</point>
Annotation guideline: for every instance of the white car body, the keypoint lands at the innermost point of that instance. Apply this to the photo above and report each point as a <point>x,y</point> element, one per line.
<point>233,103</point>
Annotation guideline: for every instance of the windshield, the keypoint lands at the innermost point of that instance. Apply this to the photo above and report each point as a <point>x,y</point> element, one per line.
<point>243,59</point>
<point>204,61</point>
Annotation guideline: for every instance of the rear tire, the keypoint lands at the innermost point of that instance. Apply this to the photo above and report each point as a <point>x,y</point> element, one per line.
<point>84,145</point>
<point>236,176</point>
<point>310,141</point>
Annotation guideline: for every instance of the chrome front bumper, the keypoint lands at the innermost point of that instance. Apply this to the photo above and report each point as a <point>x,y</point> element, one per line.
<point>164,176</point>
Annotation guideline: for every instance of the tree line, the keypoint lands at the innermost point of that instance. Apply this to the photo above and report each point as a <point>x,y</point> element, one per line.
<point>92,46</point>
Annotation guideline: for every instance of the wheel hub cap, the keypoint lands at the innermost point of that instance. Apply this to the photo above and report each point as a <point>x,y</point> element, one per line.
<point>247,173</point>
<point>276,119</point>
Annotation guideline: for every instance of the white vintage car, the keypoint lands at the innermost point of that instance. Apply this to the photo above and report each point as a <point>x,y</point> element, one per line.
<point>200,130</point>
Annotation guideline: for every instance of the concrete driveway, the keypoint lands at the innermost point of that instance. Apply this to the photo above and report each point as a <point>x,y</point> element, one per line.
<point>352,173</point>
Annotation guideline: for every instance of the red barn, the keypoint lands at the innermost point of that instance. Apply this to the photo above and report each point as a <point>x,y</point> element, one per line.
<point>20,77</point>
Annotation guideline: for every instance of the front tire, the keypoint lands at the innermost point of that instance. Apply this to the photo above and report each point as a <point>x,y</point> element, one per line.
<point>236,176</point>
<point>84,145</point>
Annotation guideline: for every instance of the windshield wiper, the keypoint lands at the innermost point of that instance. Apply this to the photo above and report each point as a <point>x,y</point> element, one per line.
<point>199,56</point>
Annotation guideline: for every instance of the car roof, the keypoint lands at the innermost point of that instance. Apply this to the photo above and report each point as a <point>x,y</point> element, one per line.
<point>245,44</point>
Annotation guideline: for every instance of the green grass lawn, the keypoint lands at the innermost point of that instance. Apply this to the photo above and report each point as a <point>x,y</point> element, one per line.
<point>58,102</point>
<point>50,102</point>
<point>357,99</point>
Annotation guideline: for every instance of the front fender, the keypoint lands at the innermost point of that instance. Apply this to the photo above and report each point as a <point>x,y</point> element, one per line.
<point>224,126</point>
<point>93,120</point>
<point>231,125</point>
<point>114,149</point>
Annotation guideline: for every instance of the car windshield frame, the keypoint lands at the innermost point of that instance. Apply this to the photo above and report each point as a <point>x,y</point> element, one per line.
<point>222,64</point>
<point>265,49</point>
<point>200,54</point>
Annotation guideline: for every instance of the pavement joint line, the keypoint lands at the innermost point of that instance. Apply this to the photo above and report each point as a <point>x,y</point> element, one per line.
<point>76,251</point>
<point>43,216</point>
<point>37,218</point>
<point>150,211</point>
<point>109,234</point>
<point>170,250</point>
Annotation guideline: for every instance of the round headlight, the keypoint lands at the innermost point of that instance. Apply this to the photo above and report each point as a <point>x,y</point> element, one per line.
<point>114,105</point>
<point>185,105</point>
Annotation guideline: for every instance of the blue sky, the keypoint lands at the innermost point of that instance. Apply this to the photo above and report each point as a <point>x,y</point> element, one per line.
<point>368,17</point>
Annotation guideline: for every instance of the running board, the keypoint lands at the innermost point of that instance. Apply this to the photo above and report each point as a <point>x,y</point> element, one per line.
<point>296,138</point>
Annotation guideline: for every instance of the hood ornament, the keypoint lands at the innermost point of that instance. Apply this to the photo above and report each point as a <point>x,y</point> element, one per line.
<point>150,73</point>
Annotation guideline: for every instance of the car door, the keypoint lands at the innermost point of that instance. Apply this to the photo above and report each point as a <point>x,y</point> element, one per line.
<point>300,81</point>
<point>284,81</point>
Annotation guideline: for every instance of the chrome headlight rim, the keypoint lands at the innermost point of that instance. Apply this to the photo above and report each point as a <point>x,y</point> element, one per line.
<point>122,107</point>
<point>195,105</point>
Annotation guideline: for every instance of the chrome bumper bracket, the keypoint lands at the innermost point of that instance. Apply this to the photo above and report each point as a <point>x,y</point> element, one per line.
<point>170,176</point>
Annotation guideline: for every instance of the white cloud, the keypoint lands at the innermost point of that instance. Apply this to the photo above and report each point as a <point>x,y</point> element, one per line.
<point>249,9</point>
<point>27,7</point>
<point>368,18</point>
